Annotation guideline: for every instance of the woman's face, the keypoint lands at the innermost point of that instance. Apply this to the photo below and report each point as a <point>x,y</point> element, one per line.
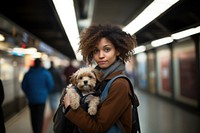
<point>105,53</point>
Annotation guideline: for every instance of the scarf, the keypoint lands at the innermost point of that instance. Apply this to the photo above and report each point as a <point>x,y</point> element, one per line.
<point>116,66</point>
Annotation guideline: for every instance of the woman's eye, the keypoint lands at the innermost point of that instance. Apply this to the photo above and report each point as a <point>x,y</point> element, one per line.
<point>95,51</point>
<point>107,49</point>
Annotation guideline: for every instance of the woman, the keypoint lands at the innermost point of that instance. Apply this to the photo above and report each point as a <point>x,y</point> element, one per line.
<point>109,47</point>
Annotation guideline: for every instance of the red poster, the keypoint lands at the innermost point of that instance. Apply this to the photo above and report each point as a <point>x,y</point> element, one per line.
<point>188,75</point>
<point>165,74</point>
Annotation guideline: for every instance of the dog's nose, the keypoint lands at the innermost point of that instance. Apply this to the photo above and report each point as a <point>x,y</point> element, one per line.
<point>85,82</point>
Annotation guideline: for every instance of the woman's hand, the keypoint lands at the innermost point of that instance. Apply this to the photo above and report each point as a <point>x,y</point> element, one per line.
<point>66,100</point>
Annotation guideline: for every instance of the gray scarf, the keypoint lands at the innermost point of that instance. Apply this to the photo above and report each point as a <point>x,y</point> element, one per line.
<point>116,66</point>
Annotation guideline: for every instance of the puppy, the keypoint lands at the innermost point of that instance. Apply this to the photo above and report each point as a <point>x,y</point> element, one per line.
<point>85,80</point>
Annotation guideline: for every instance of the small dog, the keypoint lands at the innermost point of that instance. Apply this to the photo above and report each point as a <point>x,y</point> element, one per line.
<point>85,80</point>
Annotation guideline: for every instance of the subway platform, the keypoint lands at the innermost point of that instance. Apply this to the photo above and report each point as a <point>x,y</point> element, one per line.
<point>156,116</point>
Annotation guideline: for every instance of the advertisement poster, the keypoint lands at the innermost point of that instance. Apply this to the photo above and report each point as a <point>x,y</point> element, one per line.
<point>188,75</point>
<point>164,72</point>
<point>185,73</point>
<point>142,70</point>
<point>151,72</point>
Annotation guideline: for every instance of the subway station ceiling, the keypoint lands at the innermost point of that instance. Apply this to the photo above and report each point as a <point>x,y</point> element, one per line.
<point>40,18</point>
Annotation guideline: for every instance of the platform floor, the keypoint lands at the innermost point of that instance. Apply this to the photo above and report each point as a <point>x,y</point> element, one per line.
<point>156,116</point>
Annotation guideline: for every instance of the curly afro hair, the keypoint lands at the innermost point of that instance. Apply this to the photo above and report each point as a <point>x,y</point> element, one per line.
<point>122,41</point>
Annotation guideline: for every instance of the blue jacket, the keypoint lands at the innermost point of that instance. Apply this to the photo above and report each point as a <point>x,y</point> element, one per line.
<point>36,84</point>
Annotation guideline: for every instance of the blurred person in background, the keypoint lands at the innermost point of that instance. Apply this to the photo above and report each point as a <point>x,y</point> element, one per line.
<point>36,84</point>
<point>54,94</point>
<point>69,70</point>
<point>2,125</point>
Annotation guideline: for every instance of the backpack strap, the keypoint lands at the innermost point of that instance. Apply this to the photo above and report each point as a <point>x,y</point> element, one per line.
<point>134,98</point>
<point>107,87</point>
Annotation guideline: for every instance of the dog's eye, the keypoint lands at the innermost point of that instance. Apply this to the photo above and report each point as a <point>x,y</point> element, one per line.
<point>80,78</point>
<point>90,77</point>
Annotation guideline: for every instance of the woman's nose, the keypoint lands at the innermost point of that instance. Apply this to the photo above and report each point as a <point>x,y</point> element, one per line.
<point>101,54</point>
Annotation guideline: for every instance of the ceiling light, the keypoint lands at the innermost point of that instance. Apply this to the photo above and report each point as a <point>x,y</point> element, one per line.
<point>36,55</point>
<point>186,33</point>
<point>161,41</point>
<point>2,38</point>
<point>30,50</point>
<point>66,13</point>
<point>139,49</point>
<point>156,8</point>
<point>22,51</point>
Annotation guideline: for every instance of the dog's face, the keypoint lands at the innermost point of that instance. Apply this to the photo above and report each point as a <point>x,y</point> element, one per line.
<point>85,78</point>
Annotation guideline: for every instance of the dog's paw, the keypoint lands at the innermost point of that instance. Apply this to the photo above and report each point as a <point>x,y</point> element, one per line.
<point>74,101</point>
<point>74,105</point>
<point>92,110</point>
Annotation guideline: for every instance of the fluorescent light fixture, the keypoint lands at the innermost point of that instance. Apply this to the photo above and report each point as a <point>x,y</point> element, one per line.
<point>156,8</point>
<point>30,51</point>
<point>18,50</point>
<point>186,33</point>
<point>2,38</point>
<point>66,12</point>
<point>161,41</point>
<point>36,55</point>
<point>139,49</point>
<point>22,51</point>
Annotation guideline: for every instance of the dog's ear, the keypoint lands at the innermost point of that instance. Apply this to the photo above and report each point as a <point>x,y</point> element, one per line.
<point>73,78</point>
<point>98,74</point>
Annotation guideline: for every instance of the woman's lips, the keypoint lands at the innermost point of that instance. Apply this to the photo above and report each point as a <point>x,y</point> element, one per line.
<point>101,62</point>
